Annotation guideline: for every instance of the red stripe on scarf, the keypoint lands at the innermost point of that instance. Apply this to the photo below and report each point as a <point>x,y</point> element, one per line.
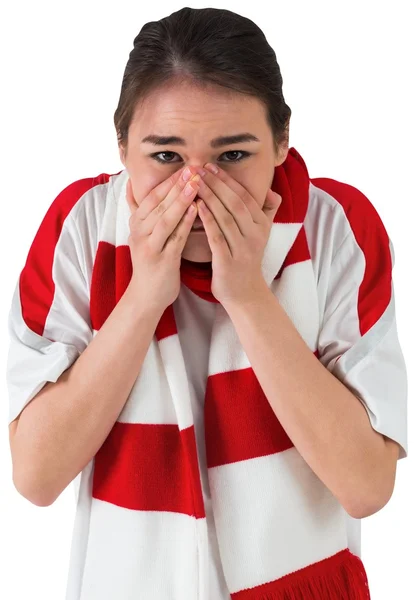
<point>339,577</point>
<point>149,467</point>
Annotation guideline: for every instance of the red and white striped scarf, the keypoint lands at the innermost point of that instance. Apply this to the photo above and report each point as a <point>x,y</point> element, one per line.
<point>281,532</point>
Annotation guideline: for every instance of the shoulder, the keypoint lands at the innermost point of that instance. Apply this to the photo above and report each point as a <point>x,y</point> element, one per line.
<point>72,224</point>
<point>83,198</point>
<point>346,198</point>
<point>79,208</point>
<point>341,212</point>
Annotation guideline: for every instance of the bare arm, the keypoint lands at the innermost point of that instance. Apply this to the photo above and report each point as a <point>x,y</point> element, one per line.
<point>64,426</point>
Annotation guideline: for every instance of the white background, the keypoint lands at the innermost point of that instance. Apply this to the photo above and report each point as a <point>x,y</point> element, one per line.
<point>348,71</point>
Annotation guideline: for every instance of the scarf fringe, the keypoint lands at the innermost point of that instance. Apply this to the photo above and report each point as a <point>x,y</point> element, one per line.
<point>340,577</point>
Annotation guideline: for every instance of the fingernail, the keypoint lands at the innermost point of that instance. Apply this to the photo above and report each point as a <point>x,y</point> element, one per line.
<point>212,168</point>
<point>189,189</point>
<point>186,174</point>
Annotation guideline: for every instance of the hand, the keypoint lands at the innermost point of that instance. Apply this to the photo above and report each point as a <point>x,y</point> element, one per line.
<point>159,227</point>
<point>237,230</point>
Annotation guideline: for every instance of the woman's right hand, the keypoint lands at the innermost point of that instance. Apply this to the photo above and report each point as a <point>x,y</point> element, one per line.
<point>159,228</point>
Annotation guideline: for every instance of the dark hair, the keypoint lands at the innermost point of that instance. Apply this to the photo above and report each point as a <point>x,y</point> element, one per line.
<point>204,46</point>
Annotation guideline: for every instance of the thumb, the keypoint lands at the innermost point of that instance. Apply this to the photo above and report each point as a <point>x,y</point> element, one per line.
<point>272,203</point>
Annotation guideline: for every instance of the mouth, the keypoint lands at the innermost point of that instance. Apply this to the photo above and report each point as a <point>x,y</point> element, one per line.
<point>197,223</point>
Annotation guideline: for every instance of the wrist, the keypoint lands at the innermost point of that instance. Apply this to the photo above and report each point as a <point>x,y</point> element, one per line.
<point>134,297</point>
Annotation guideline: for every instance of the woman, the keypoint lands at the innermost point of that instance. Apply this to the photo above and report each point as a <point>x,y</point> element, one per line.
<point>166,362</point>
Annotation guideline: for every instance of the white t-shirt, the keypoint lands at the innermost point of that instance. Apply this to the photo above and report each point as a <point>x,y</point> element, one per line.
<point>49,328</point>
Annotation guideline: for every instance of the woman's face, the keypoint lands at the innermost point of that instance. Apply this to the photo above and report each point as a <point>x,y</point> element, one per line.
<point>199,116</point>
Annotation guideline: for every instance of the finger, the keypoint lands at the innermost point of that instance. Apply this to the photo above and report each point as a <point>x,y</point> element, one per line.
<point>221,183</point>
<point>167,191</point>
<point>178,238</point>
<point>164,187</point>
<point>162,226</point>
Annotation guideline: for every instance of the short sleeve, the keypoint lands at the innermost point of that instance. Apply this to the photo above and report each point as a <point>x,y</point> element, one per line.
<point>49,321</point>
<point>358,340</point>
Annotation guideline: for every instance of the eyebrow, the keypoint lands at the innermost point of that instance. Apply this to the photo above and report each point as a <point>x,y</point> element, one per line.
<point>159,140</point>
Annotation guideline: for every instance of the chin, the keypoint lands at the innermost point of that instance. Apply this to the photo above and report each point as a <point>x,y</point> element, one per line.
<point>197,248</point>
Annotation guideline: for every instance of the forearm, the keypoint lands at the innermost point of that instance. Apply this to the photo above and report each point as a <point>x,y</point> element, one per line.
<point>326,423</point>
<point>59,433</point>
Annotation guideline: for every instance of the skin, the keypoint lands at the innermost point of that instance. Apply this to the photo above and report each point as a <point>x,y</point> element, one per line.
<point>199,115</point>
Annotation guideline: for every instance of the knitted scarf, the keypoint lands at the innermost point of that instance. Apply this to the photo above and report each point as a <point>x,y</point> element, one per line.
<point>281,532</point>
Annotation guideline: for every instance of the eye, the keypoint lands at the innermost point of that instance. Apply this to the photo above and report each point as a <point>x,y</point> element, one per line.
<point>245,154</point>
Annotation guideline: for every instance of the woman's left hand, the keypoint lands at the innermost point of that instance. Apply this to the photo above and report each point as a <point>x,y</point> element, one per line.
<point>237,230</point>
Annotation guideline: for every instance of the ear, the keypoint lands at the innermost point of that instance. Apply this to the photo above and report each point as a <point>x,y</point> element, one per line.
<point>282,154</point>
<point>284,147</point>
